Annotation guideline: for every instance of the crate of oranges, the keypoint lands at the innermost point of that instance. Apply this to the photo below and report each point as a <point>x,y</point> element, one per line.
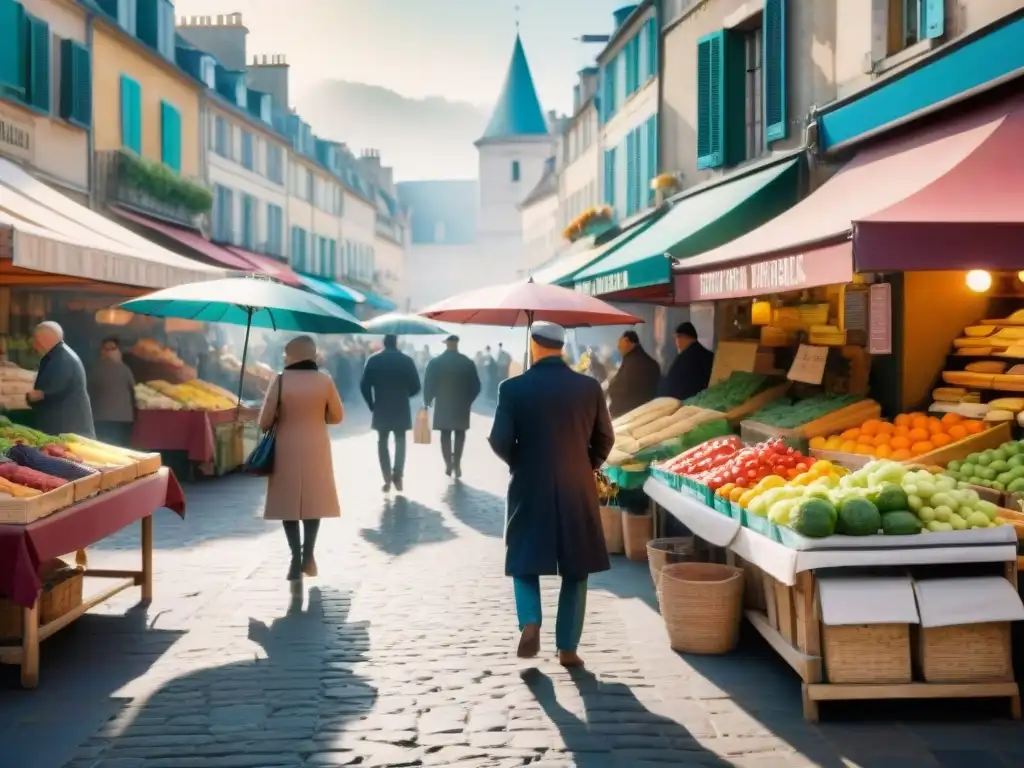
<point>914,438</point>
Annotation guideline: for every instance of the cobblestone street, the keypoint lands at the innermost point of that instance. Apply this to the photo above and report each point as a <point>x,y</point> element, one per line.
<point>401,653</point>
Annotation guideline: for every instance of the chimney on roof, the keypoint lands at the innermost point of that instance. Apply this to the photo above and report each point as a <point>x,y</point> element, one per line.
<point>224,40</point>
<point>269,73</point>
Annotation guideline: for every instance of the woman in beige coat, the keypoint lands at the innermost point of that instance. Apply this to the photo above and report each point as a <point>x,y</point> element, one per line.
<point>301,485</point>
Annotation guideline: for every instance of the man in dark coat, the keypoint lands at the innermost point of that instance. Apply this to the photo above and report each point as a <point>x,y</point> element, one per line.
<point>553,430</point>
<point>636,382</point>
<point>389,381</point>
<point>451,384</point>
<point>60,397</point>
<point>690,372</point>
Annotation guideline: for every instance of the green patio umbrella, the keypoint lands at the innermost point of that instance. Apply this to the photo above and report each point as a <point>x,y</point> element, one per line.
<point>250,301</point>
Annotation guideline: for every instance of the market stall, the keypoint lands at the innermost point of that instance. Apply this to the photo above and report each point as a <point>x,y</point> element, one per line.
<point>61,494</point>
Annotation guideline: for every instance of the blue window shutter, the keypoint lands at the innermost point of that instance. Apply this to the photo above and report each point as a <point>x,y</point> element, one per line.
<point>75,83</point>
<point>774,45</point>
<point>38,91</point>
<point>12,53</point>
<point>170,136</point>
<point>130,122</point>
<point>710,105</point>
<point>933,18</point>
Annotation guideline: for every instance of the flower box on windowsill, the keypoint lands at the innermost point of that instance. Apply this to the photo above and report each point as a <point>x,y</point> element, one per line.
<point>148,187</point>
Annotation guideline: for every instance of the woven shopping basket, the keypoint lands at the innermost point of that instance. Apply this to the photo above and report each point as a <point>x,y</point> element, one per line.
<point>637,530</point>
<point>702,604</point>
<point>611,526</point>
<point>662,552</point>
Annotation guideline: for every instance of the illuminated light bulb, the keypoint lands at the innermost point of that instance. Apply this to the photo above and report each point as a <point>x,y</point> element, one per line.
<point>1020,275</point>
<point>978,280</point>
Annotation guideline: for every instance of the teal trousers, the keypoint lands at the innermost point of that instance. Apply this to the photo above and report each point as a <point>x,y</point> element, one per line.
<point>572,606</point>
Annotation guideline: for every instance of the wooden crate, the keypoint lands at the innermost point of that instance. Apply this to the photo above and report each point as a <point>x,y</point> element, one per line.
<point>61,597</point>
<point>148,463</point>
<point>756,403</point>
<point>968,653</point>
<point>88,486</point>
<point>115,477</point>
<point>25,511</point>
<point>785,611</point>
<point>867,654</point>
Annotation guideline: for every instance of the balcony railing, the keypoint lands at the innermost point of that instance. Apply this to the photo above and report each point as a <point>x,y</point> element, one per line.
<point>121,178</point>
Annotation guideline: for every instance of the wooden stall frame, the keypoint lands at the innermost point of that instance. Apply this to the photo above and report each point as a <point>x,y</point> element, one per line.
<point>27,654</point>
<point>802,651</point>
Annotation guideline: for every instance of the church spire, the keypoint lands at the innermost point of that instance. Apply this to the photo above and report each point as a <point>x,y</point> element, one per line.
<point>518,111</point>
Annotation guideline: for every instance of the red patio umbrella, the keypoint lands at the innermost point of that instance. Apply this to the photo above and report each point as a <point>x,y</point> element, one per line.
<point>522,303</point>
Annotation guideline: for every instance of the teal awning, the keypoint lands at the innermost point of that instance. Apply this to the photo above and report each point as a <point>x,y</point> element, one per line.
<point>562,271</point>
<point>340,294</point>
<point>694,224</point>
<point>379,302</point>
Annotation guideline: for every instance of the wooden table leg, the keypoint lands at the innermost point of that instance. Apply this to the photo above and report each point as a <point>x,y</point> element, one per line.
<point>30,646</point>
<point>147,559</point>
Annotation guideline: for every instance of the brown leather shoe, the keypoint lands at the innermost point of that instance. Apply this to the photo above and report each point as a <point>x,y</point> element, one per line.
<point>569,659</point>
<point>529,642</point>
<point>309,567</point>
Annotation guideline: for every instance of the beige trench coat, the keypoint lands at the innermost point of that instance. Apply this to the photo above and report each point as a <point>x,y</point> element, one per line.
<point>301,487</point>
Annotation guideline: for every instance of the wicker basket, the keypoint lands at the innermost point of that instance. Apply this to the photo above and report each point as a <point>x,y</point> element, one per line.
<point>968,653</point>
<point>637,530</point>
<point>867,653</point>
<point>702,604</point>
<point>61,593</point>
<point>662,552</point>
<point>611,526</point>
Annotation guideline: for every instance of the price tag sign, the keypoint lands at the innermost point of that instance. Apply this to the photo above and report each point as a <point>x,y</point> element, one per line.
<point>809,365</point>
<point>733,356</point>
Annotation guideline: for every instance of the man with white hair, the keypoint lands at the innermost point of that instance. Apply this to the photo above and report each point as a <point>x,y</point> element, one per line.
<point>60,397</point>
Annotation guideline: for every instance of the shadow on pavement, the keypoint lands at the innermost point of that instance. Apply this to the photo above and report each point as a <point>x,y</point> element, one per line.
<point>589,737</point>
<point>481,510</point>
<point>405,525</point>
<point>300,684</point>
<point>81,670</point>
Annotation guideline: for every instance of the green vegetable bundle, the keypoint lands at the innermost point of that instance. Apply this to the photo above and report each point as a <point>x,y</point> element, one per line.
<point>730,393</point>
<point>786,414</point>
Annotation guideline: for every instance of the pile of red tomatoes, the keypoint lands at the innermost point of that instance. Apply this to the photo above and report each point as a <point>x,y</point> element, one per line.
<point>727,460</point>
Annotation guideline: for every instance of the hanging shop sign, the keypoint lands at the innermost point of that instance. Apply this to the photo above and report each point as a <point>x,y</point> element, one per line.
<point>824,266</point>
<point>17,137</point>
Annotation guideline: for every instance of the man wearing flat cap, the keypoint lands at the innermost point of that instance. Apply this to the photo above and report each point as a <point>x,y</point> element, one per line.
<point>450,385</point>
<point>690,372</point>
<point>553,430</point>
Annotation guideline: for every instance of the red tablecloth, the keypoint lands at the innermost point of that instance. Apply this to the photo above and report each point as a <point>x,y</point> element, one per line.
<point>189,431</point>
<point>24,547</point>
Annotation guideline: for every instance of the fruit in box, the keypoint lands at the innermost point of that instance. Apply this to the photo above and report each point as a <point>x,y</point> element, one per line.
<point>787,414</point>
<point>195,395</point>
<point>1001,469</point>
<point>905,437</point>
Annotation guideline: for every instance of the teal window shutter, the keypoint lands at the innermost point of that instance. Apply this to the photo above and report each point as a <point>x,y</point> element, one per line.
<point>75,83</point>
<point>774,46</point>
<point>652,47</point>
<point>630,168</point>
<point>609,177</point>
<point>643,177</point>
<point>170,136</point>
<point>652,150</point>
<point>710,100</point>
<point>131,115</point>
<point>933,18</point>
<point>38,91</point>
<point>13,50</point>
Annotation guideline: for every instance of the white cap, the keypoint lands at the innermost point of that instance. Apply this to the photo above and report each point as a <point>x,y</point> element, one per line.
<point>548,332</point>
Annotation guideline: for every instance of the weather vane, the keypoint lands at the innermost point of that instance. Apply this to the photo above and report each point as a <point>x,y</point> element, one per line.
<point>517,9</point>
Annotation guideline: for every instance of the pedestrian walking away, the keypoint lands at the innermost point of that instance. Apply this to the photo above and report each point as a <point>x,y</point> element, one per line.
<point>60,397</point>
<point>112,395</point>
<point>389,381</point>
<point>690,372</point>
<point>504,363</point>
<point>301,485</point>
<point>553,430</point>
<point>450,385</point>
<point>637,380</point>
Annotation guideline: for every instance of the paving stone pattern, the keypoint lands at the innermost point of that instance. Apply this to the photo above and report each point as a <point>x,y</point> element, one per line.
<point>402,654</point>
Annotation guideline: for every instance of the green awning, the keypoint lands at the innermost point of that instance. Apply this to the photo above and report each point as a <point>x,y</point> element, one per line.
<point>562,271</point>
<point>694,224</point>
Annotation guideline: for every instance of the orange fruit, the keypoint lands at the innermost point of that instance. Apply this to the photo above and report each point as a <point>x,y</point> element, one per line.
<point>919,422</point>
<point>974,427</point>
<point>901,430</point>
<point>736,493</point>
<point>848,447</point>
<point>851,434</point>
<point>901,454</point>
<point>940,439</point>
<point>934,426</point>
<point>883,452</point>
<point>881,439</point>
<point>957,431</point>
<point>724,490</point>
<point>919,434</point>
<point>951,418</point>
<point>921,448</point>
<point>869,427</point>
<point>899,443</point>
<point>863,449</point>
<point>903,420</point>
<point>884,427</point>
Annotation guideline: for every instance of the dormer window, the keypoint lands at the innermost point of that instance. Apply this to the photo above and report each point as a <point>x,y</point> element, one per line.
<point>208,71</point>
<point>515,171</point>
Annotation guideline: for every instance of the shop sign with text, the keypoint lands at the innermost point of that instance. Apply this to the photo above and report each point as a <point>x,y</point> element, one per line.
<point>610,283</point>
<point>17,137</point>
<point>825,266</point>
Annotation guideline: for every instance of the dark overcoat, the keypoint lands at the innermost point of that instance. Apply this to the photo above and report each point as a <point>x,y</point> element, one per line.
<point>553,430</point>
<point>450,385</point>
<point>635,383</point>
<point>65,406</point>
<point>689,373</point>
<point>389,381</point>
